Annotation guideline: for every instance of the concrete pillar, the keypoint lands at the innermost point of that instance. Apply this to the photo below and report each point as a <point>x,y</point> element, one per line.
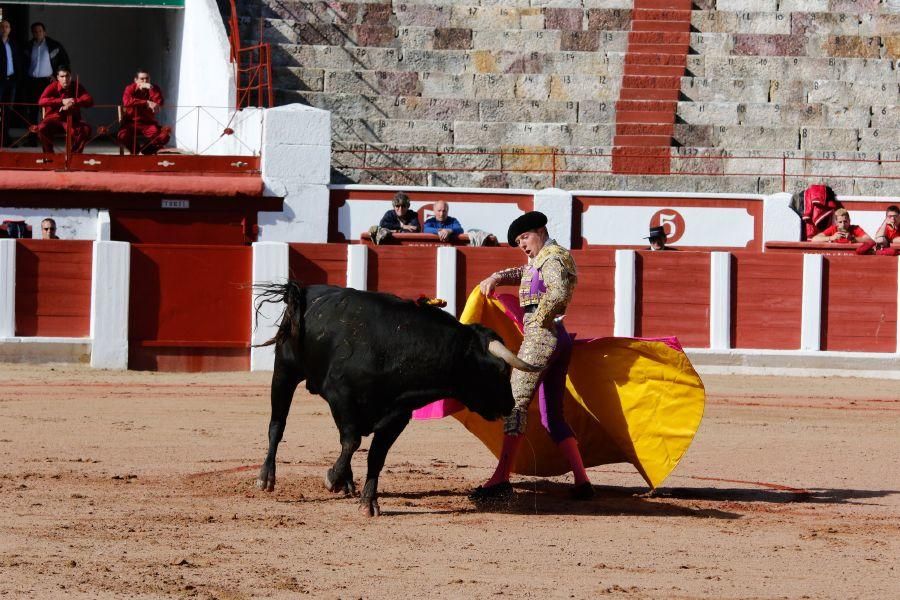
<point>811,317</point>
<point>357,266</point>
<point>780,223</point>
<point>557,205</point>
<point>7,288</point>
<point>111,274</point>
<point>720,301</point>
<point>446,277</point>
<point>626,280</point>
<point>296,165</point>
<point>103,226</point>
<point>271,264</point>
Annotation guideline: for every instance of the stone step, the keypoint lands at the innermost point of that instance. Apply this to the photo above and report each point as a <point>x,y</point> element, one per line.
<point>791,91</point>
<point>648,94</point>
<point>658,49</point>
<point>644,129</point>
<point>651,58</point>
<point>663,4</point>
<point>667,15</point>
<point>654,70</point>
<point>643,141</point>
<point>659,37</point>
<point>651,81</point>
<point>657,26</point>
<point>841,69</point>
<point>645,105</point>
<point>644,116</point>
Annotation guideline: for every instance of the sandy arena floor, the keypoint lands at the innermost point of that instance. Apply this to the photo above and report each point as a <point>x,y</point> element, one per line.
<point>140,485</point>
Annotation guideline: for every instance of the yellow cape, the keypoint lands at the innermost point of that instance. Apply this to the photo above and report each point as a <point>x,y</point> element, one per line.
<point>628,400</point>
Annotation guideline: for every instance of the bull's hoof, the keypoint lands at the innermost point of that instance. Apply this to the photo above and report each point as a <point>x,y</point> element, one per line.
<point>335,485</point>
<point>266,485</point>
<point>370,508</point>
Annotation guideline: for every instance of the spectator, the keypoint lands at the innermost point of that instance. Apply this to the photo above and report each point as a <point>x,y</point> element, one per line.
<point>842,232</point>
<point>44,58</point>
<point>657,239</point>
<point>10,72</point>
<point>64,99</point>
<point>442,224</point>
<point>142,100</point>
<point>400,219</point>
<point>48,229</point>
<point>888,230</point>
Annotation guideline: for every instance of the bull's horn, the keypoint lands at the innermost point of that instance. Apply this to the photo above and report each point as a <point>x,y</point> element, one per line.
<point>500,351</point>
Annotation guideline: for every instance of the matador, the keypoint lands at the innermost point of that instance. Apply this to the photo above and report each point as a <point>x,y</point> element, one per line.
<point>546,284</point>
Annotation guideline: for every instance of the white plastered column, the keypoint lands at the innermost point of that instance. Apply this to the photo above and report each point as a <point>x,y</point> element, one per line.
<point>720,300</point>
<point>626,280</point>
<point>271,264</point>
<point>780,222</point>
<point>104,226</point>
<point>296,164</point>
<point>357,266</point>
<point>110,279</point>
<point>7,288</point>
<point>557,205</point>
<point>445,285</point>
<point>811,316</point>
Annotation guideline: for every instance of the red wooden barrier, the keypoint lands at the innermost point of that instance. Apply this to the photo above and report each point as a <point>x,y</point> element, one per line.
<point>672,296</point>
<point>189,307</point>
<point>859,304</point>
<point>766,300</point>
<point>53,288</point>
<point>408,272</point>
<point>318,263</point>
<point>474,264</point>
<point>177,226</point>
<point>592,313</point>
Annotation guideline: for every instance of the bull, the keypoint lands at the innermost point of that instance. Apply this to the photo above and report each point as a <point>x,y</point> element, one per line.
<point>375,358</point>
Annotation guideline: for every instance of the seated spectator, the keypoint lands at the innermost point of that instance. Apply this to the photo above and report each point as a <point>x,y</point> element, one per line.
<point>400,219</point>
<point>141,101</point>
<point>657,239</point>
<point>64,99</point>
<point>843,232</point>
<point>442,224</point>
<point>888,230</point>
<point>48,229</point>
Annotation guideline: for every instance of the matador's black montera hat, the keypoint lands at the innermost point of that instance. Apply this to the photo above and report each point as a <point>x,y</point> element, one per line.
<point>527,222</point>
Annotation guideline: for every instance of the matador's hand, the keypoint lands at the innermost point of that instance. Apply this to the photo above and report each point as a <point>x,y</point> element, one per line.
<point>488,285</point>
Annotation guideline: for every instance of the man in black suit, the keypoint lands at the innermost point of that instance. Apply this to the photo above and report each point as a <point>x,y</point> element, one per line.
<point>10,74</point>
<point>44,56</point>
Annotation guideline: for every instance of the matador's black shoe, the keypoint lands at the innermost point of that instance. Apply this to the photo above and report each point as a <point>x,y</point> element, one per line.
<point>494,493</point>
<point>582,491</point>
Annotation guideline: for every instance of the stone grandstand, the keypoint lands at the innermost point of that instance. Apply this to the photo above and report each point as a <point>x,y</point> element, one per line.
<point>714,95</point>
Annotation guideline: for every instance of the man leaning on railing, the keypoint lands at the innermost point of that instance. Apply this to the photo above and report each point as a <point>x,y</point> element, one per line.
<point>63,99</point>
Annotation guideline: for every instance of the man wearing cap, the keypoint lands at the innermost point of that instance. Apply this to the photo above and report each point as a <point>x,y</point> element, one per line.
<point>657,239</point>
<point>546,285</point>
<point>400,219</point>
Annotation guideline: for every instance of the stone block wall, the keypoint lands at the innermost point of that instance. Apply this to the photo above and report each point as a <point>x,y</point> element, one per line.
<point>482,92</point>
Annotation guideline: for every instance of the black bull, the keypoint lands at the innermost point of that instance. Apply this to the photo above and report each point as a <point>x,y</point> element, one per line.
<point>375,358</point>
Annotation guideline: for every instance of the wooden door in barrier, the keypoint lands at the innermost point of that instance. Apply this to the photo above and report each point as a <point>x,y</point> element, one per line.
<point>190,307</point>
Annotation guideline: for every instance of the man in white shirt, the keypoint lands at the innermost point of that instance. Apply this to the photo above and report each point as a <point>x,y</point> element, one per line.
<point>44,55</point>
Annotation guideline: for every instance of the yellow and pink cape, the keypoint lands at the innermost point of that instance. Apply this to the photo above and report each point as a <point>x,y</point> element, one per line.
<point>630,400</point>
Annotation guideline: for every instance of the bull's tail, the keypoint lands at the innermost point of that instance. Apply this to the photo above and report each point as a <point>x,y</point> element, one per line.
<point>294,300</point>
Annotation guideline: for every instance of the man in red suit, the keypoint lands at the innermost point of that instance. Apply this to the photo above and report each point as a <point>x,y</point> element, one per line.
<point>63,100</point>
<point>142,100</point>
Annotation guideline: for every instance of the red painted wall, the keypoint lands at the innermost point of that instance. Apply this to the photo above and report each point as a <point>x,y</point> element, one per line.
<point>407,271</point>
<point>592,311</point>
<point>766,300</point>
<point>179,226</point>
<point>189,307</point>
<point>318,263</point>
<point>53,288</point>
<point>859,304</point>
<point>672,296</point>
<point>474,264</point>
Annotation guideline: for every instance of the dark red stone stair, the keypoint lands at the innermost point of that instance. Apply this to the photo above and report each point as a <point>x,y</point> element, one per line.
<point>655,62</point>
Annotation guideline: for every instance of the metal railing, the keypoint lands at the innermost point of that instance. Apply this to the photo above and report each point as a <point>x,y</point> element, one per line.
<point>555,162</point>
<point>253,66</point>
<point>183,130</point>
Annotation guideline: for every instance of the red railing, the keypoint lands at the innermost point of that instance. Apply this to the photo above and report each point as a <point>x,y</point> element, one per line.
<point>553,162</point>
<point>253,67</point>
<point>185,134</point>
